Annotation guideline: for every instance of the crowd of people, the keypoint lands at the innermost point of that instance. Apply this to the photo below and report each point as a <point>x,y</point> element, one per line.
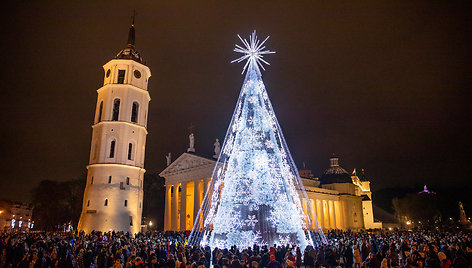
<point>168,249</point>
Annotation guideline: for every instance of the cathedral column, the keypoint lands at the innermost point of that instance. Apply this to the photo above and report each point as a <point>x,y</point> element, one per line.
<point>319,206</point>
<point>167,214</point>
<point>333,214</point>
<point>196,199</point>
<point>175,203</point>
<point>205,186</point>
<point>183,207</point>
<point>305,209</point>
<point>326,215</point>
<point>330,220</point>
<point>313,211</point>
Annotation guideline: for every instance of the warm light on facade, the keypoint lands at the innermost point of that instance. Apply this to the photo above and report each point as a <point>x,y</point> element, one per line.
<point>408,222</point>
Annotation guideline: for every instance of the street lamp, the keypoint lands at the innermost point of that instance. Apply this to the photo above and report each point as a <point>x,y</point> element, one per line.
<point>150,223</point>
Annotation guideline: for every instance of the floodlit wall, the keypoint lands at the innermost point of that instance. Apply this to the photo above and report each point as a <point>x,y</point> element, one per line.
<point>113,197</point>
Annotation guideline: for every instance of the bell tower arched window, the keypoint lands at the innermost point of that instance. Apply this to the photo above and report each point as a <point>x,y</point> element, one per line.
<point>130,151</point>
<point>116,109</point>
<point>135,112</point>
<point>100,110</point>
<point>112,148</point>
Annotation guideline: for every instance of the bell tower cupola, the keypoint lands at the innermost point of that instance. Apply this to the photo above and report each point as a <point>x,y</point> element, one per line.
<point>130,52</point>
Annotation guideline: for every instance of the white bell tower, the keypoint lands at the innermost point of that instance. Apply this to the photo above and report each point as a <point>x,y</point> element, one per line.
<point>113,197</point>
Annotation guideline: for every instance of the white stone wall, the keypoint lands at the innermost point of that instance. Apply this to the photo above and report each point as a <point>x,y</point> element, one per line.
<point>352,211</point>
<point>369,216</point>
<point>122,134</point>
<point>108,93</point>
<point>115,215</point>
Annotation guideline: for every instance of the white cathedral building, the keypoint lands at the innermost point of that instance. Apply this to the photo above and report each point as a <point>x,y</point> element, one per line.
<point>340,200</point>
<point>113,197</point>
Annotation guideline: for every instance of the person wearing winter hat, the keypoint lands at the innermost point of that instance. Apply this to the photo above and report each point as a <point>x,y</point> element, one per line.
<point>445,262</point>
<point>138,262</point>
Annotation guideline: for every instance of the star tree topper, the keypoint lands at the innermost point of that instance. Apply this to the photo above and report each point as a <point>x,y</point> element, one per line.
<point>253,51</point>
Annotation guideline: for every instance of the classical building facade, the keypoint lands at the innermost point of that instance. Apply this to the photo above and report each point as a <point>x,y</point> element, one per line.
<point>340,200</point>
<point>113,196</point>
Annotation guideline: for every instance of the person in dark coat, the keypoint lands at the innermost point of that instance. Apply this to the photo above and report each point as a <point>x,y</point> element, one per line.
<point>273,263</point>
<point>102,259</point>
<point>170,261</point>
<point>308,259</point>
<point>235,263</point>
<point>330,257</point>
<point>364,251</point>
<point>348,256</point>
<point>460,260</point>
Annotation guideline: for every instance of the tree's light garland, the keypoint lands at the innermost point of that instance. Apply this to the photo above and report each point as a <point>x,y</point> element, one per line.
<point>255,195</point>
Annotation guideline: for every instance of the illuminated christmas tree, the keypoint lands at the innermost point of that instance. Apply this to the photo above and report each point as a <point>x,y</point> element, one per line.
<point>255,195</point>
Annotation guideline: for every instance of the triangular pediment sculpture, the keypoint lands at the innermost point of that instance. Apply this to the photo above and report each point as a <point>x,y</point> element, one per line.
<point>187,162</point>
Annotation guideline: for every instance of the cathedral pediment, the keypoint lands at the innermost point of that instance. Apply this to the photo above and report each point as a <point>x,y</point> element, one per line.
<point>187,162</point>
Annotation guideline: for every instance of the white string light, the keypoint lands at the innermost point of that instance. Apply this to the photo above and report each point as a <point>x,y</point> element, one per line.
<point>255,195</point>
<point>253,51</point>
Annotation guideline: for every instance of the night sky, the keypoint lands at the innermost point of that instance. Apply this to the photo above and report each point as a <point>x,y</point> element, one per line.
<point>385,86</point>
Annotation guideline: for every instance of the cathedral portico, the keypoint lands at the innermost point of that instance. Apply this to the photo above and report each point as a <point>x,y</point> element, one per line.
<point>186,183</point>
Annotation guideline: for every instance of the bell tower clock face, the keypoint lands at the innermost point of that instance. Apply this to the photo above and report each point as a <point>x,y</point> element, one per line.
<point>137,74</point>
